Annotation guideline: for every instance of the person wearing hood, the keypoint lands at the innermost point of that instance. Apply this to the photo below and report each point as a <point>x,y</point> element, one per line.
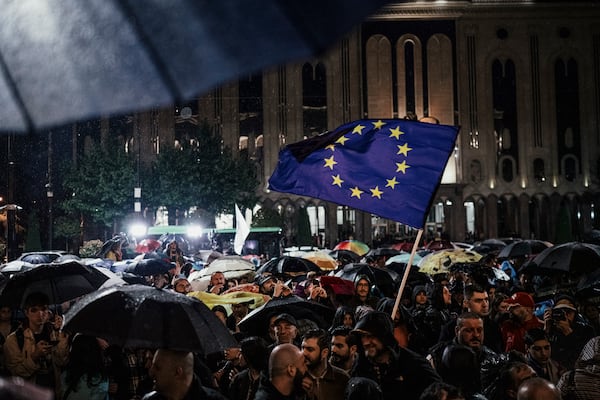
<point>397,370</point>
<point>583,382</point>
<point>362,293</point>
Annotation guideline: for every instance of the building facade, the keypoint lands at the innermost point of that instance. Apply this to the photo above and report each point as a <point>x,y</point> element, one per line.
<point>521,79</point>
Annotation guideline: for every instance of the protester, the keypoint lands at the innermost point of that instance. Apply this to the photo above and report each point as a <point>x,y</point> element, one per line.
<point>85,376</point>
<point>397,370</point>
<point>344,348</point>
<point>538,389</point>
<point>286,330</point>
<point>583,382</point>
<point>326,381</point>
<point>362,293</point>
<point>287,370</point>
<point>359,388</point>
<point>217,284</point>
<point>255,356</point>
<point>539,355</point>
<point>521,307</point>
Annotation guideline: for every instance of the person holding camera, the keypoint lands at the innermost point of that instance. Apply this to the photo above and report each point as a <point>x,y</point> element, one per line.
<point>567,331</point>
<point>522,318</point>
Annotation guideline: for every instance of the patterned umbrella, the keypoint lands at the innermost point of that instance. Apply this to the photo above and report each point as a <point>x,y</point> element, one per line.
<point>440,261</point>
<point>355,246</point>
<point>322,259</point>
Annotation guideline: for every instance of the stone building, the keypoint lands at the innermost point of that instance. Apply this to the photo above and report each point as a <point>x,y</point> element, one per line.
<point>521,78</point>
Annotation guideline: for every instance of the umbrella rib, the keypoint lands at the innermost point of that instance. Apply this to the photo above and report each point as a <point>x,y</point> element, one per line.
<point>151,50</point>
<point>12,86</point>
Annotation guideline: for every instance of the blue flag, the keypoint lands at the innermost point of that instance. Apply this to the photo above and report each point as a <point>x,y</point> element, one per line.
<point>391,168</point>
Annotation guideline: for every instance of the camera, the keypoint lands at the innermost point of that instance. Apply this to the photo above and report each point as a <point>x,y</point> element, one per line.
<point>559,315</point>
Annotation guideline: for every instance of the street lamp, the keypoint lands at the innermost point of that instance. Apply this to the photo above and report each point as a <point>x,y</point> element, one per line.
<point>49,195</point>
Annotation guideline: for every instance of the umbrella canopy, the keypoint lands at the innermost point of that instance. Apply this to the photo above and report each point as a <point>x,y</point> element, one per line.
<point>60,282</point>
<point>36,258</point>
<point>257,321</point>
<point>322,259</point>
<point>15,266</point>
<point>79,60</point>
<point>386,280</point>
<point>345,256</point>
<point>383,252</point>
<point>415,277</point>
<point>494,243</point>
<point>589,285</point>
<point>354,246</point>
<point>233,267</point>
<point>403,258</point>
<point>440,261</point>
<point>148,267</point>
<point>146,317</point>
<point>147,245</point>
<point>286,266</point>
<point>523,248</point>
<point>573,257</point>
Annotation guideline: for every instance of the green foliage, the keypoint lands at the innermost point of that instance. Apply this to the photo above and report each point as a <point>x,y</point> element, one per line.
<point>303,235</point>
<point>101,187</point>
<point>32,241</point>
<point>66,227</point>
<point>267,217</point>
<point>202,173</point>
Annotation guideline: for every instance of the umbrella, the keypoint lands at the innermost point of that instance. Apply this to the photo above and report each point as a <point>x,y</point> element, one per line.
<point>386,280</point>
<point>148,267</point>
<point>233,267</point>
<point>403,258</point>
<point>208,255</point>
<point>286,266</point>
<point>573,257</point>
<point>147,245</point>
<point>77,60</point>
<point>145,317</point>
<point>322,259</point>
<point>436,245</point>
<point>112,278</point>
<point>257,321</point>
<point>15,266</point>
<point>36,258</point>
<point>440,261</point>
<point>383,252</point>
<point>415,277</point>
<point>494,243</point>
<point>355,246</point>
<point>345,256</point>
<point>589,285</point>
<point>523,248</point>
<point>337,285</point>
<point>60,282</point>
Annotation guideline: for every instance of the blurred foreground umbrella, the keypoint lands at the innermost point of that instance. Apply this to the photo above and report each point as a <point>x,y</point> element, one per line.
<point>287,267</point>
<point>60,282</point>
<point>75,60</point>
<point>386,280</point>
<point>572,257</point>
<point>257,321</point>
<point>146,317</point>
<point>354,246</point>
<point>440,261</point>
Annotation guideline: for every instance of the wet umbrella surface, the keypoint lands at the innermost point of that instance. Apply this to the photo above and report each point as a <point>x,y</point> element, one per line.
<point>146,317</point>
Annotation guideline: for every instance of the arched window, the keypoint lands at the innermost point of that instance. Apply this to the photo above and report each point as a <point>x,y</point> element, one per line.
<point>539,172</point>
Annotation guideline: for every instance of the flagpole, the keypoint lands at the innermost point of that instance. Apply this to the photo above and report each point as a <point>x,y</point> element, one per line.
<point>406,272</point>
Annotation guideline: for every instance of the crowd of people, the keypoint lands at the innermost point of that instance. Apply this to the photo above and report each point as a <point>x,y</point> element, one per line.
<point>453,336</point>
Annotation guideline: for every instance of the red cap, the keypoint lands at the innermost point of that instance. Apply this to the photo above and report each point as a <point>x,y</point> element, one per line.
<point>523,299</point>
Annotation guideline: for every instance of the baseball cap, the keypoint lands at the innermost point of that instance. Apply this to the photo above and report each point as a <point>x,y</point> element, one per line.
<point>287,318</point>
<point>523,299</point>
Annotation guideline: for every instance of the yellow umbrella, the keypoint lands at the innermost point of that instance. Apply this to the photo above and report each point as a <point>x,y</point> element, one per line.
<point>439,261</point>
<point>211,299</point>
<point>322,259</point>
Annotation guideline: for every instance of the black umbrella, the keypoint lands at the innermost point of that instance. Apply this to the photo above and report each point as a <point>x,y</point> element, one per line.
<point>76,60</point>
<point>589,285</point>
<point>145,317</point>
<point>257,321</point>
<point>383,252</point>
<point>149,267</point>
<point>345,256</point>
<point>287,266</point>
<point>61,282</point>
<point>36,258</point>
<point>385,279</point>
<point>414,276</point>
<point>574,257</point>
<point>523,248</point>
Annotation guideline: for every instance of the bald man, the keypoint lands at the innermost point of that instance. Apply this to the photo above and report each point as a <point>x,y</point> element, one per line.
<point>538,389</point>
<point>173,375</point>
<point>287,369</point>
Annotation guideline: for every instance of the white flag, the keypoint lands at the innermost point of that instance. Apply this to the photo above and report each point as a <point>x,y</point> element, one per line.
<point>241,231</point>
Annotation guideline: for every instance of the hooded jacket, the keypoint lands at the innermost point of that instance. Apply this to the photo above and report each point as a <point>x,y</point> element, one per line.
<point>583,383</point>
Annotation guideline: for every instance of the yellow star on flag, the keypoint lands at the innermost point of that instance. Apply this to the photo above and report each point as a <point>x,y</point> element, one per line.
<point>358,129</point>
<point>392,183</point>
<point>376,192</point>
<point>356,192</point>
<point>396,132</point>
<point>401,167</point>
<point>378,124</point>
<point>404,149</point>
<point>342,140</point>
<point>330,147</point>
<point>337,180</point>
<point>330,162</point>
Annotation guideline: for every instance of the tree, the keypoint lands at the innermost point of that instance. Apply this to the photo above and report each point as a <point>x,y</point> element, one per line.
<point>267,217</point>
<point>201,173</point>
<point>100,187</point>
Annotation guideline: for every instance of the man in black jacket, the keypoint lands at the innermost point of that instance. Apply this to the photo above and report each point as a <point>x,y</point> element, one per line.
<point>399,371</point>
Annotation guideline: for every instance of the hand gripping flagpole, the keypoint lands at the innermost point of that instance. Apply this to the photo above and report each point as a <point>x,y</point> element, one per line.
<point>406,272</point>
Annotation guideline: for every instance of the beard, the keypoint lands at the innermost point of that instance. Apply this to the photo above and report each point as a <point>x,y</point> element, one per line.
<point>298,381</point>
<point>339,360</point>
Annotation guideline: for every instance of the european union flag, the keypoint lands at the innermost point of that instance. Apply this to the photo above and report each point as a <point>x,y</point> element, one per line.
<point>391,168</point>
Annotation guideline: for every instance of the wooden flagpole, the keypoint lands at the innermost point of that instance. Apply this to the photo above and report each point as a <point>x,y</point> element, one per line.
<point>406,272</point>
